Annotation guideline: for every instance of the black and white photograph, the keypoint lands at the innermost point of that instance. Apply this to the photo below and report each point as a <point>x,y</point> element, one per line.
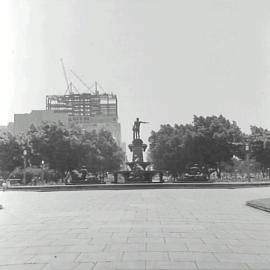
<point>134,134</point>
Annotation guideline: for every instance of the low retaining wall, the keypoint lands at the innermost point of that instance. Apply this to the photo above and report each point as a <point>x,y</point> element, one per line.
<point>139,186</point>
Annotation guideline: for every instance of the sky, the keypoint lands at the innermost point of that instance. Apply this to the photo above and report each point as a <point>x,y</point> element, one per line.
<point>166,60</point>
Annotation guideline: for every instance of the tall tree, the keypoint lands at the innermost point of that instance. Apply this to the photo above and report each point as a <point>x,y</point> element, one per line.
<point>168,149</point>
<point>215,136</point>
<point>66,149</point>
<point>11,152</point>
<point>208,142</point>
<point>260,146</point>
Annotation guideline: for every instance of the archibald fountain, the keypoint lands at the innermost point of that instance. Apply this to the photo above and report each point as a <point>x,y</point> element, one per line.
<point>139,170</point>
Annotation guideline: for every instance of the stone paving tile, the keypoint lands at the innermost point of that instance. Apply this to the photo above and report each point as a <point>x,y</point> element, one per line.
<point>12,243</point>
<point>219,248</point>
<point>197,235</point>
<point>119,239</point>
<point>167,265</point>
<point>83,266</point>
<point>51,258</point>
<point>100,257</point>
<point>84,248</point>
<point>11,251</point>
<point>192,256</point>
<point>43,250</point>
<point>252,242</point>
<point>145,256</point>
<point>147,230</point>
<point>125,247</point>
<point>265,258</point>
<point>163,234</point>
<point>155,240</point>
<point>14,259</point>
<point>64,266</point>
<point>166,247</point>
<point>87,236</point>
<point>240,258</point>
<point>225,242</point>
<point>183,241</point>
<point>70,242</point>
<point>22,267</point>
<point>259,266</point>
<point>197,247</point>
<point>114,229</point>
<point>252,249</point>
<point>128,265</point>
<point>130,234</point>
<point>232,235</point>
<point>221,266</point>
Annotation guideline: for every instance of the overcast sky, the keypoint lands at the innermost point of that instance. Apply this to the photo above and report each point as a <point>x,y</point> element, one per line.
<point>166,60</point>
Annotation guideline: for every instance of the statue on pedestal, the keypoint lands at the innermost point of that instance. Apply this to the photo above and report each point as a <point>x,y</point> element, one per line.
<point>136,128</point>
<point>137,171</point>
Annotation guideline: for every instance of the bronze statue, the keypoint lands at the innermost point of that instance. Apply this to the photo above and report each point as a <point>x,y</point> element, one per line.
<point>136,128</point>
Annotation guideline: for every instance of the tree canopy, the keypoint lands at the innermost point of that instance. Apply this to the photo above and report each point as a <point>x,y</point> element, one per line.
<point>207,141</point>
<point>62,149</point>
<point>260,146</point>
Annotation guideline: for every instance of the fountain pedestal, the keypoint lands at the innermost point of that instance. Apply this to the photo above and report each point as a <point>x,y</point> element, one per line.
<point>139,170</point>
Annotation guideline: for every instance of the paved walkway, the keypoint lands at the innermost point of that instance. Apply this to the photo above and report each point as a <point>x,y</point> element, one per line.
<point>134,229</point>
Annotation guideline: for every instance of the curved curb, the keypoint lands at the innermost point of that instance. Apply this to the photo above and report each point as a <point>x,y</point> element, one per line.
<point>260,204</point>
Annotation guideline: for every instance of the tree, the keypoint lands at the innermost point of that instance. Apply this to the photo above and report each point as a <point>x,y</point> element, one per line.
<point>260,146</point>
<point>208,142</point>
<point>62,149</point>
<point>112,154</point>
<point>11,152</point>
<point>102,152</point>
<point>215,135</point>
<point>51,143</point>
<point>67,149</point>
<point>168,149</point>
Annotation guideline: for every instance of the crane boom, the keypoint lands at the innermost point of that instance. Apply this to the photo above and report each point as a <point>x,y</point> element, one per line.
<point>65,74</point>
<point>82,82</point>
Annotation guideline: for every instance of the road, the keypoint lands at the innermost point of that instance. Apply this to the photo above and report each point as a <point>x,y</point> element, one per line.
<point>134,229</point>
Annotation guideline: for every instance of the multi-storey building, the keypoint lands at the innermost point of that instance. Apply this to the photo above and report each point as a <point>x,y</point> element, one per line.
<point>89,111</point>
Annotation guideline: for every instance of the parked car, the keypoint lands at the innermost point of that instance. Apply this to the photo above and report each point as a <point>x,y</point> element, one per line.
<point>194,173</point>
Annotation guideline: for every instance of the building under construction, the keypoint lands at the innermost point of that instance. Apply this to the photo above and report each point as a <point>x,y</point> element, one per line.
<point>91,111</point>
<point>86,105</point>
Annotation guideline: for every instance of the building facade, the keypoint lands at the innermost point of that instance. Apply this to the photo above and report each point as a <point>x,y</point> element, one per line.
<point>22,122</point>
<point>88,111</point>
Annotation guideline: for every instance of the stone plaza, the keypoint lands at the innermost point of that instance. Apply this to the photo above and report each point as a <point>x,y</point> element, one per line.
<point>134,229</point>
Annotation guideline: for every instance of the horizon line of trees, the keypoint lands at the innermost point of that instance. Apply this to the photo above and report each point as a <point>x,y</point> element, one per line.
<point>210,142</point>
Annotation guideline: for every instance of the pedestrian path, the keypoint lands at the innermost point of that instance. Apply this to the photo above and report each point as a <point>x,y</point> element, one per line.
<point>134,229</point>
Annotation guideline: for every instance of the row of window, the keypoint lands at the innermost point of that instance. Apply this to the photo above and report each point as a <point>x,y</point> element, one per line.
<point>82,119</point>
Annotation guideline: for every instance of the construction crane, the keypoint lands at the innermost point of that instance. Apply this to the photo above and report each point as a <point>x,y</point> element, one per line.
<point>70,85</point>
<point>81,81</point>
<point>95,86</point>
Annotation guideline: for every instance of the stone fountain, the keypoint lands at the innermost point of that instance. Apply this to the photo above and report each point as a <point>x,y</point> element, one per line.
<point>139,171</point>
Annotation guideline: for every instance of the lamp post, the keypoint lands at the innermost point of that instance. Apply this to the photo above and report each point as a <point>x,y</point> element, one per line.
<point>24,166</point>
<point>42,171</point>
<point>247,148</point>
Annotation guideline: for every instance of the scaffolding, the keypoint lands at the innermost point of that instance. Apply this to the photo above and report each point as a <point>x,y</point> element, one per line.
<point>85,104</point>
